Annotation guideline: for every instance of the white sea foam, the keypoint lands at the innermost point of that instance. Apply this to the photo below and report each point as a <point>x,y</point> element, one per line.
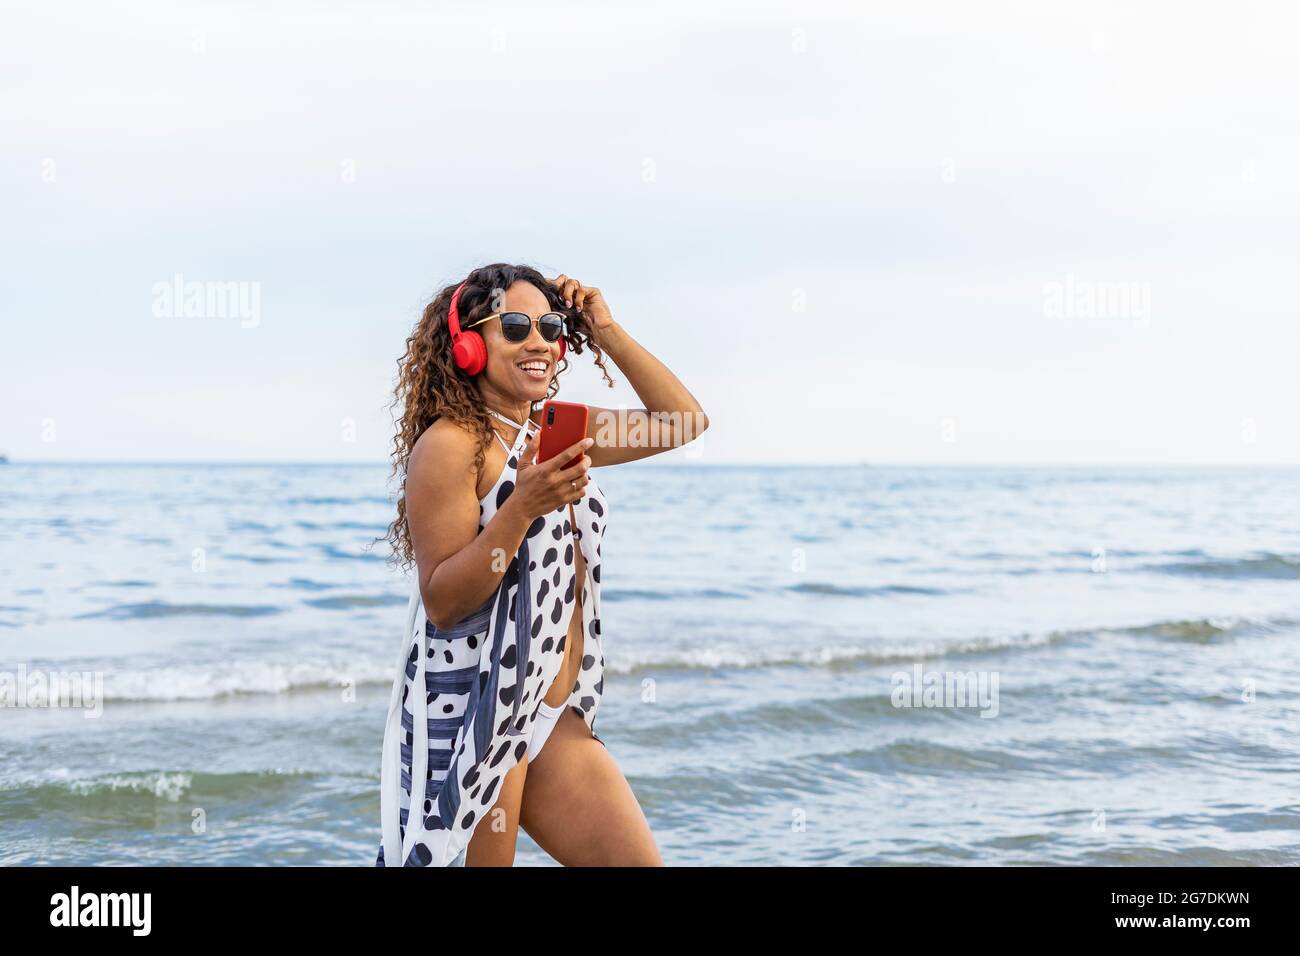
<point>244,677</point>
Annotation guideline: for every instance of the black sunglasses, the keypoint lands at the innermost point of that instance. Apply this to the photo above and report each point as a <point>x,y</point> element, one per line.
<point>517,326</point>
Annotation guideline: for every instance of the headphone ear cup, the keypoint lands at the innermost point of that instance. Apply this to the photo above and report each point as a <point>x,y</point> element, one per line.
<point>470,353</point>
<point>563,345</point>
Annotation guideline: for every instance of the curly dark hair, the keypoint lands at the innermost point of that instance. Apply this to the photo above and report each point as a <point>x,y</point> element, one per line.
<point>430,386</point>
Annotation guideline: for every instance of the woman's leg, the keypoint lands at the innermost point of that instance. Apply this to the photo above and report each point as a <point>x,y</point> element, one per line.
<point>493,842</point>
<point>578,805</point>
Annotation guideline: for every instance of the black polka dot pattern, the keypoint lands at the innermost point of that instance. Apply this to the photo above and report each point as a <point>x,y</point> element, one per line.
<point>483,688</point>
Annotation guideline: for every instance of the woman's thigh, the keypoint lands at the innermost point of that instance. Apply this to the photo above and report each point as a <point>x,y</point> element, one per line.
<point>578,806</point>
<point>493,842</point>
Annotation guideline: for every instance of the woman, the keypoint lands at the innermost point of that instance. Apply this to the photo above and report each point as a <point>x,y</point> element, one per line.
<point>500,676</point>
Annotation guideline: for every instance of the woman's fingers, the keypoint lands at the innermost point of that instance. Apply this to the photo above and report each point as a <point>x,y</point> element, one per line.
<point>579,469</point>
<point>561,283</point>
<point>569,453</point>
<point>569,289</point>
<point>555,461</point>
<point>529,451</point>
<point>577,488</point>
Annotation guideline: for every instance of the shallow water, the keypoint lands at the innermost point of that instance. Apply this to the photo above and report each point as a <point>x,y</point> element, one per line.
<point>1137,632</point>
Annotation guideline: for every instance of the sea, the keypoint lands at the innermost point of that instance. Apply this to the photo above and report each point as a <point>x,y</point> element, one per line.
<point>805,666</point>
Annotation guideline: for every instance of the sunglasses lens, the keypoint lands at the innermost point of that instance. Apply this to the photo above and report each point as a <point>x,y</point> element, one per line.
<point>551,325</point>
<point>515,326</point>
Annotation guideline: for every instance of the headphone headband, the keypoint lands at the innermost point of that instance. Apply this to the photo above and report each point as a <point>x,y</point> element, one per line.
<point>453,315</point>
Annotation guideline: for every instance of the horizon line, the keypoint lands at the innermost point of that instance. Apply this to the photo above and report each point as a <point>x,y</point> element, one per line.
<point>324,463</point>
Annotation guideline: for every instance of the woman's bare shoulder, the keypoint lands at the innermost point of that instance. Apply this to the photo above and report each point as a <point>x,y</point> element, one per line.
<point>445,450</point>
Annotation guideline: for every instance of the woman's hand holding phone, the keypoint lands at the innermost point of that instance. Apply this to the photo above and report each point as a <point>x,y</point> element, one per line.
<point>541,487</point>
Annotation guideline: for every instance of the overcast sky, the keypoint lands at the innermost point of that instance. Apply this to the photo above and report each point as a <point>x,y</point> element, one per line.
<point>860,232</point>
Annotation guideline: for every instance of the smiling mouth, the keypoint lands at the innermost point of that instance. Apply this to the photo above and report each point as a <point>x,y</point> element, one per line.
<point>537,368</point>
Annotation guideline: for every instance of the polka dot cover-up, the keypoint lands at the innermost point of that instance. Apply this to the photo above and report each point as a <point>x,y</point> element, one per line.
<point>484,679</point>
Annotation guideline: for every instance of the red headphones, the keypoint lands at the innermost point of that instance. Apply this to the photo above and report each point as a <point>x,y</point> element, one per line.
<point>467,348</point>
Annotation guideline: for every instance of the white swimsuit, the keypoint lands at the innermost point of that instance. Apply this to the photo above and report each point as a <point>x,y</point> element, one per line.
<point>542,727</point>
<point>458,738</point>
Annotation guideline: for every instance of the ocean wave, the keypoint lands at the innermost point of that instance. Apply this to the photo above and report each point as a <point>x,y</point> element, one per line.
<point>245,678</point>
<point>1200,630</point>
<point>634,594</point>
<point>784,716</point>
<point>330,551</point>
<point>277,677</point>
<point>1206,630</point>
<point>234,525</point>
<point>304,584</point>
<point>925,756</point>
<point>837,590</point>
<point>60,781</point>
<point>1268,565</point>
<point>346,601</point>
<point>344,525</point>
<point>153,609</point>
<point>56,788</point>
<point>740,657</point>
<point>327,500</point>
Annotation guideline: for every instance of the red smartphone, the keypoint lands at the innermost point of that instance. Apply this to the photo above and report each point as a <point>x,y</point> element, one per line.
<point>563,424</point>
